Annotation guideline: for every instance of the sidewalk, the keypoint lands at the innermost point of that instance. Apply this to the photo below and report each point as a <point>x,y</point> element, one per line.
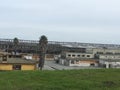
<point>46,67</point>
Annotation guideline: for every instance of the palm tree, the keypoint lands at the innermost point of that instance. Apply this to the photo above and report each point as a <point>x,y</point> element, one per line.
<point>43,48</point>
<point>15,42</point>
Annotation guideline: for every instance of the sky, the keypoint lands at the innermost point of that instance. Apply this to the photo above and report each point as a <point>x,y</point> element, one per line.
<point>87,21</point>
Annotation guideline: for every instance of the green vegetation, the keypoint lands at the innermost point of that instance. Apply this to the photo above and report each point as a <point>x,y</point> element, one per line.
<point>43,42</point>
<point>90,79</point>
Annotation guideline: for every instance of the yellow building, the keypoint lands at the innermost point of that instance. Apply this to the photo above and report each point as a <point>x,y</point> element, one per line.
<point>17,64</point>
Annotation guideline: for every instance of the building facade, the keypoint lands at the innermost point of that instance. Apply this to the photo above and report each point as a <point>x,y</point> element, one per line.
<point>17,64</point>
<point>78,59</point>
<point>108,58</point>
<point>101,57</point>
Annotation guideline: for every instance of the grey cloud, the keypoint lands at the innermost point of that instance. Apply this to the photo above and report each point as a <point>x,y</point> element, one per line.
<point>79,20</point>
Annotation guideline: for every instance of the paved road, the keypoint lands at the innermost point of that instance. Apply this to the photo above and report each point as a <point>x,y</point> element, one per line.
<point>46,67</point>
<point>51,65</point>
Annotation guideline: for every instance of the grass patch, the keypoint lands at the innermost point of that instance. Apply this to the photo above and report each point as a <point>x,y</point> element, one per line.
<point>88,79</point>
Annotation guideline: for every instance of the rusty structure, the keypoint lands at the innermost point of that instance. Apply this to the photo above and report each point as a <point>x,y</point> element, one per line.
<point>54,47</point>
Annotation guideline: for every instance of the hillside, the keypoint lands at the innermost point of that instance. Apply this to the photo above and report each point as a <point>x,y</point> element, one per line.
<point>88,79</point>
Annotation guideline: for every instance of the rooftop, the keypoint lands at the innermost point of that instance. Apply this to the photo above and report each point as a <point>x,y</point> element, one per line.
<point>18,61</point>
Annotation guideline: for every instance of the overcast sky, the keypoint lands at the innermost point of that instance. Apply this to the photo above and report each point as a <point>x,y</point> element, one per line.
<point>88,21</point>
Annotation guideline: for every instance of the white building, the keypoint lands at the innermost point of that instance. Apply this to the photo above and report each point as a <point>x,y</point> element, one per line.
<point>106,51</point>
<point>76,55</point>
<point>78,59</point>
<point>110,63</point>
<point>108,58</point>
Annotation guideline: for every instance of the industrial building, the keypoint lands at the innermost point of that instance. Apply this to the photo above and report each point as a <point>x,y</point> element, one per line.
<point>67,53</point>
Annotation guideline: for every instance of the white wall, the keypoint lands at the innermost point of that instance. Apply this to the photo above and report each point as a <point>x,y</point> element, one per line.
<point>114,64</point>
<point>106,50</point>
<point>109,57</point>
<point>79,55</point>
<point>81,64</point>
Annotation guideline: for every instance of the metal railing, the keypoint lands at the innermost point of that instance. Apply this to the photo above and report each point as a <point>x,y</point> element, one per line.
<point>67,44</point>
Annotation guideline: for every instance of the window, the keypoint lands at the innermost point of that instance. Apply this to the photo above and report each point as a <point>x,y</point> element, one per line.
<point>73,55</point>
<point>83,55</point>
<point>16,67</point>
<point>78,55</point>
<point>4,58</point>
<point>88,55</point>
<point>69,55</point>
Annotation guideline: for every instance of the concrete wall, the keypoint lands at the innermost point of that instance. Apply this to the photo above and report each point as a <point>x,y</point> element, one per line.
<point>112,57</point>
<point>78,62</point>
<point>84,63</point>
<point>81,64</point>
<point>105,51</point>
<point>64,62</point>
<point>79,55</point>
<point>109,64</point>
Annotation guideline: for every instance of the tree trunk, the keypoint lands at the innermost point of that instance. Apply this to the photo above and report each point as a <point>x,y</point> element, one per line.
<point>41,61</point>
